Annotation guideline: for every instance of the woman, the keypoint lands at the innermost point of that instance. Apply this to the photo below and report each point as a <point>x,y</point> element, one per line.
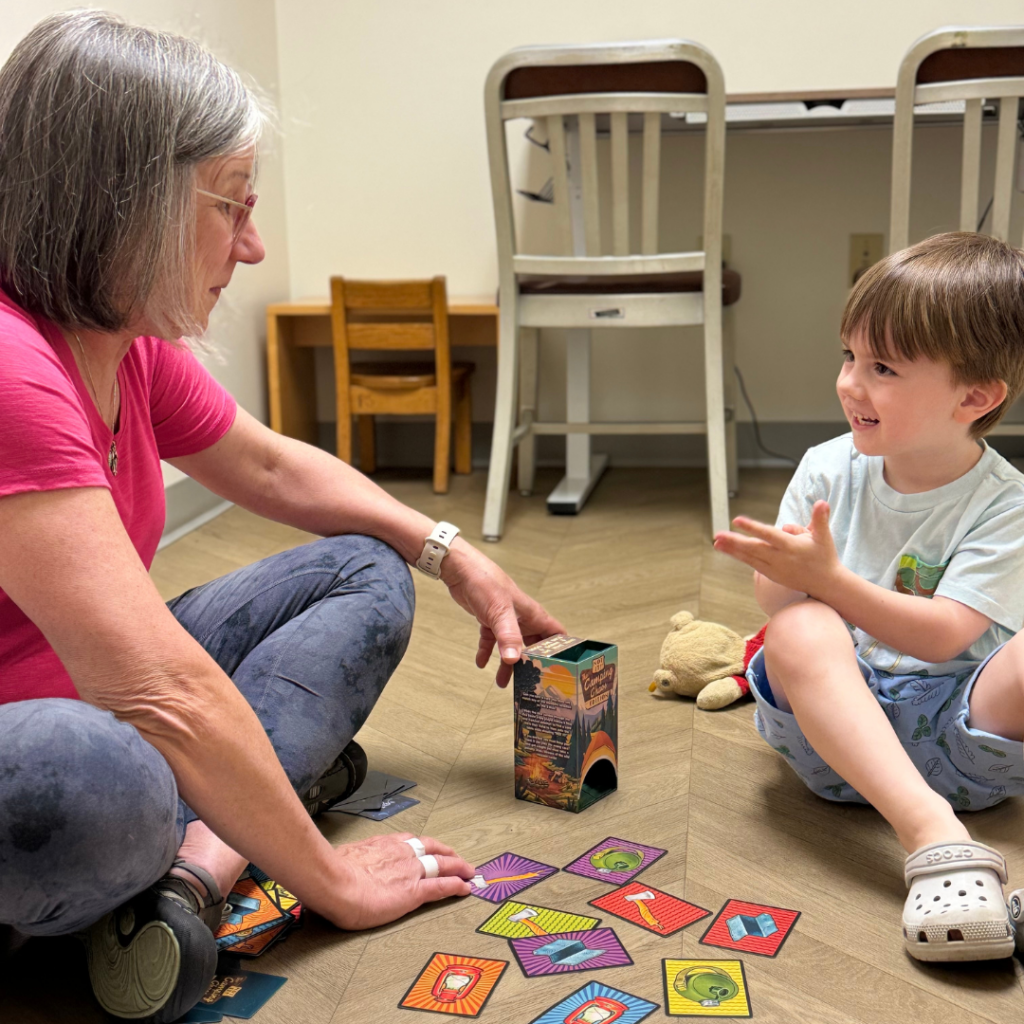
<point>148,751</point>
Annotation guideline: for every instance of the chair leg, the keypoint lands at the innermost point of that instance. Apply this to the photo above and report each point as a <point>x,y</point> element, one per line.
<point>504,418</point>
<point>718,476</point>
<point>442,446</point>
<point>528,337</point>
<point>464,427</point>
<point>731,403</point>
<point>367,445</point>
<point>344,435</point>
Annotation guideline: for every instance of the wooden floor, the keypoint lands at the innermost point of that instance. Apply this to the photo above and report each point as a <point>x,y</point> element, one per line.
<point>735,820</point>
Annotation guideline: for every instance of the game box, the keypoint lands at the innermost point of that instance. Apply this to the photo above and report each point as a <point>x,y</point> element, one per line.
<point>566,698</point>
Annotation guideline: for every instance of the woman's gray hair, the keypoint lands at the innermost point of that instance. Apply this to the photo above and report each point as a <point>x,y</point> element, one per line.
<point>102,127</point>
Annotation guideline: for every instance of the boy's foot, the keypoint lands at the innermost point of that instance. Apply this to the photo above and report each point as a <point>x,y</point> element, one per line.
<point>345,775</point>
<point>955,910</point>
<point>154,957</point>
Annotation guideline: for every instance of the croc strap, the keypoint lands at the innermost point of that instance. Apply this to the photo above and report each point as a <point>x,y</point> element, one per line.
<point>938,858</point>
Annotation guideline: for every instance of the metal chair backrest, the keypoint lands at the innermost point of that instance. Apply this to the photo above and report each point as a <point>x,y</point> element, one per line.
<point>973,65</point>
<point>569,89</point>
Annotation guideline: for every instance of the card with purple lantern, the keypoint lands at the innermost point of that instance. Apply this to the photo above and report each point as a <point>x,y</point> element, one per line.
<point>508,874</point>
<point>615,860</point>
<point>569,951</point>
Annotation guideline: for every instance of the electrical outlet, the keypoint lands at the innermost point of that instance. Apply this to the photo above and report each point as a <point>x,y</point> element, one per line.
<point>865,252</point>
<point>726,247</point>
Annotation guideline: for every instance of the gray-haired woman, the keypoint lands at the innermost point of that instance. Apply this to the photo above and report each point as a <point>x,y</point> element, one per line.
<point>136,773</point>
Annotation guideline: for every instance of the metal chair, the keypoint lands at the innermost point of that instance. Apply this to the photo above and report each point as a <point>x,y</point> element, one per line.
<point>978,66</point>
<point>575,92</point>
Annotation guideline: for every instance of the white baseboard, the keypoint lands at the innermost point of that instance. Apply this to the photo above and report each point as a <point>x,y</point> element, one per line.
<point>189,506</point>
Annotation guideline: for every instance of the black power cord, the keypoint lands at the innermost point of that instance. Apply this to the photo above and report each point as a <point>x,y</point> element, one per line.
<point>757,426</point>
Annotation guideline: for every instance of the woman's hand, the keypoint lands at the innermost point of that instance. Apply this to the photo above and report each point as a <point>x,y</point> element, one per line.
<point>382,880</point>
<point>507,616</point>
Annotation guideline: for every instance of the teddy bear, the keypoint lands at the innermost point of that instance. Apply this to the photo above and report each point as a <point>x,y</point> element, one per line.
<point>705,660</point>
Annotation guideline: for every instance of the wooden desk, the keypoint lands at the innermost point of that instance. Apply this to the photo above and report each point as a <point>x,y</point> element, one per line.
<point>296,329</point>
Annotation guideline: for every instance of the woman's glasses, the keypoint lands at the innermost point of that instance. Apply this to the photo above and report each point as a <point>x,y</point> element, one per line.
<point>240,212</point>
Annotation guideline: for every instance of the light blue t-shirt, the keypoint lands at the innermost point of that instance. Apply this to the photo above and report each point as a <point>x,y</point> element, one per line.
<point>963,541</point>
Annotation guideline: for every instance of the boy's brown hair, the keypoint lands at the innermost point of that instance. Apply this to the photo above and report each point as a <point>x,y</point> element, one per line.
<point>956,298</point>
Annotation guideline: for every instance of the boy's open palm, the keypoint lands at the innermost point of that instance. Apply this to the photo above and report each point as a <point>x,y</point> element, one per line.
<point>797,557</point>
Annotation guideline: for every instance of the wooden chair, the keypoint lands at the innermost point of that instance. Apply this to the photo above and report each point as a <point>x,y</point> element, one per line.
<point>976,66</point>
<point>399,316</point>
<point>575,92</point>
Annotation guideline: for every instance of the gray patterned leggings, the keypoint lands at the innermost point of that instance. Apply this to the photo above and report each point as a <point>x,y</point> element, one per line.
<point>89,811</point>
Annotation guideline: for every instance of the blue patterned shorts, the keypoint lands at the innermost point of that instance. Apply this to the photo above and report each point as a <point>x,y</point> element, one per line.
<point>970,768</point>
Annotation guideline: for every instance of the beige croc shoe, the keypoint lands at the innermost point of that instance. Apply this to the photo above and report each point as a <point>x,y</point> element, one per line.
<point>956,910</point>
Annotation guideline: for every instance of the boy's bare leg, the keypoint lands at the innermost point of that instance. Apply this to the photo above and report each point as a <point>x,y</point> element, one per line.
<point>812,667</point>
<point>997,700</point>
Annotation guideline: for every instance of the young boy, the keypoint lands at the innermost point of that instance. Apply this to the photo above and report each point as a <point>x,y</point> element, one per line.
<point>894,581</point>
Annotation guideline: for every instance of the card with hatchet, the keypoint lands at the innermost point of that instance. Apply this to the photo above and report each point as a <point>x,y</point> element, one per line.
<point>650,908</point>
<point>514,920</point>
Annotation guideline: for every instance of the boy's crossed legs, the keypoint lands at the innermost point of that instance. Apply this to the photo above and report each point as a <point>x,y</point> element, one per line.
<point>811,664</point>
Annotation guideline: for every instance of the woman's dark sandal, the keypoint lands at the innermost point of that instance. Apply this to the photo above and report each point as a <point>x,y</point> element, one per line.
<point>346,773</point>
<point>153,958</point>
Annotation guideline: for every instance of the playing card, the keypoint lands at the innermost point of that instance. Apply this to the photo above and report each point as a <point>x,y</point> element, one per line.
<point>506,875</point>
<point>750,928</point>
<point>249,910</point>
<point>455,984</point>
<point>391,805</point>
<point>596,1004</point>
<point>615,860</point>
<point>657,911</point>
<point>572,951</point>
<point>705,988</point>
<point>200,1015</point>
<point>241,994</point>
<point>518,920</point>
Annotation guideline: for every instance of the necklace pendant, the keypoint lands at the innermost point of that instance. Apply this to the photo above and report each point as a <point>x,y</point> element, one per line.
<point>112,457</point>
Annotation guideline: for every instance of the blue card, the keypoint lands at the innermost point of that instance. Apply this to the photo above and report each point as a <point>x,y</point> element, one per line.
<point>240,994</point>
<point>391,805</point>
<point>597,1002</point>
<point>200,1015</point>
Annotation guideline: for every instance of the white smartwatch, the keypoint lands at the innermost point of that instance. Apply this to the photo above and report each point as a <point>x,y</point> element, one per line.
<point>435,547</point>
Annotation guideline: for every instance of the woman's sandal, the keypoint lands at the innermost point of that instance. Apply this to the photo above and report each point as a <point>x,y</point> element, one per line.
<point>344,776</point>
<point>153,958</point>
<point>956,910</point>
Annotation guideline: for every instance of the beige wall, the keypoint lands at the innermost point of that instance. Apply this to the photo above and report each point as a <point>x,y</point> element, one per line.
<point>386,169</point>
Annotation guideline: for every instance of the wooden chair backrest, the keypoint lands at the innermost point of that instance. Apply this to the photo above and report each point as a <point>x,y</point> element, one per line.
<point>972,65</point>
<point>568,89</point>
<point>390,315</point>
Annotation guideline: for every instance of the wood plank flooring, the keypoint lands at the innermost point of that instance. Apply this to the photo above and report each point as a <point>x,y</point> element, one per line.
<point>735,820</point>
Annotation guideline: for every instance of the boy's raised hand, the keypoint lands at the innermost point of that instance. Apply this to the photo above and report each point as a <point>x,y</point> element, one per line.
<point>800,558</point>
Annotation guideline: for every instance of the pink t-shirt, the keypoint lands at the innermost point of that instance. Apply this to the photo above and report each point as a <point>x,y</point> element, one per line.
<point>52,437</point>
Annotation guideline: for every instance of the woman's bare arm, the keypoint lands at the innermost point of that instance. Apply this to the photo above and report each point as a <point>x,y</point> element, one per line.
<point>288,481</point>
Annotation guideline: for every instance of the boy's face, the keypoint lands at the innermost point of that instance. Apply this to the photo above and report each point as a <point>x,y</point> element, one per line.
<point>897,407</point>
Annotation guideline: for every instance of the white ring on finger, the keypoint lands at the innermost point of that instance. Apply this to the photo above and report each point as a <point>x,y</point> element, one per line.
<point>417,847</point>
<point>431,869</point>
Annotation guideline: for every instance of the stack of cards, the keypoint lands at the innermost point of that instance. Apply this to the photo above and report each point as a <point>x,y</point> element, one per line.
<point>378,797</point>
<point>258,913</point>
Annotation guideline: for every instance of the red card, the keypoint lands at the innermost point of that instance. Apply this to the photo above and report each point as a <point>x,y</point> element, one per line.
<point>665,914</point>
<point>752,924</point>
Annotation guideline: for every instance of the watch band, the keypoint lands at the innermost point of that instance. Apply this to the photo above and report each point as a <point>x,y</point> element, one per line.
<point>435,547</point>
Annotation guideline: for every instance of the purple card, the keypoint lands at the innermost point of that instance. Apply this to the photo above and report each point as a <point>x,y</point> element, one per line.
<point>615,861</point>
<point>570,951</point>
<point>503,877</point>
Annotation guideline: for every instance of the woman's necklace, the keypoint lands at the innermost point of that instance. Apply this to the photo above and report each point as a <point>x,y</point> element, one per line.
<point>115,395</point>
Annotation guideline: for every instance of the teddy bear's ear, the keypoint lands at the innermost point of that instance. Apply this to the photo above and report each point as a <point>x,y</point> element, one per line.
<point>681,619</point>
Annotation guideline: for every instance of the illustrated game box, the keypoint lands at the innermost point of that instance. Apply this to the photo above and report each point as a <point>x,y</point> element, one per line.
<point>567,722</point>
